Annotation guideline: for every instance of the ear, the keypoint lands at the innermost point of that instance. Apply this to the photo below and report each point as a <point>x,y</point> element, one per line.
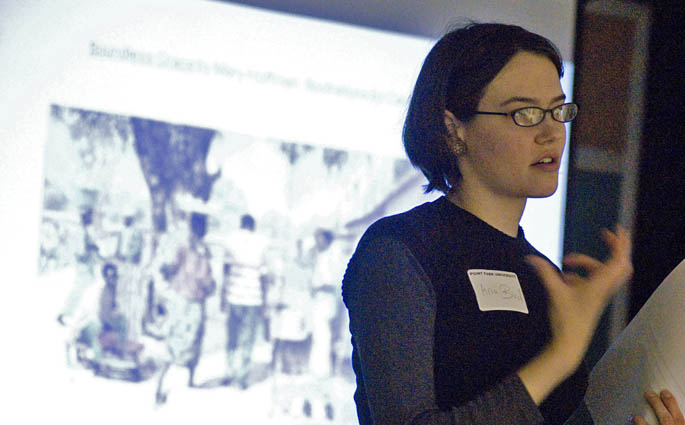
<point>454,128</point>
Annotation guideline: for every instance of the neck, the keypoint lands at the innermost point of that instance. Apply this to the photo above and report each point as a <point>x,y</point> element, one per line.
<point>502,213</point>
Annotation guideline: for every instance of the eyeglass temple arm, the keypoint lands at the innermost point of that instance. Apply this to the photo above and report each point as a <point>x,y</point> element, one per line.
<point>493,113</point>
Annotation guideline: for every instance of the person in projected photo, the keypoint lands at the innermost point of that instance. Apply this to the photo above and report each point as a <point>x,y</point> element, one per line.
<point>190,283</point>
<point>243,298</point>
<point>87,259</point>
<point>105,330</point>
<point>455,318</point>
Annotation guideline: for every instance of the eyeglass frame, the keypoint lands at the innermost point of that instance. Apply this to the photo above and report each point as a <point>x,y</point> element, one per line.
<point>513,113</point>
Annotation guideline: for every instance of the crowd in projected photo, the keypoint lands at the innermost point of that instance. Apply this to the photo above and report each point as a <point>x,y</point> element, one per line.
<point>216,254</point>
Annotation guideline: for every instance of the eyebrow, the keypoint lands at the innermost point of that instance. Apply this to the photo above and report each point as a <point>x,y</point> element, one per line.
<point>529,100</point>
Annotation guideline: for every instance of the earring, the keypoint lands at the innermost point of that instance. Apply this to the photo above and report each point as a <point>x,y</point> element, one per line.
<point>458,148</point>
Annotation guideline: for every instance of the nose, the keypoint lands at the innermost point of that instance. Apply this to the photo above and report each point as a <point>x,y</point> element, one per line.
<point>550,131</point>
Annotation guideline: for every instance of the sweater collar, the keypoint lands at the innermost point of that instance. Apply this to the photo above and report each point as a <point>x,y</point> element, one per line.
<point>453,212</point>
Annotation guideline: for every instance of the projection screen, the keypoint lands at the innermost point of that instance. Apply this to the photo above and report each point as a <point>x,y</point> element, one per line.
<point>129,126</point>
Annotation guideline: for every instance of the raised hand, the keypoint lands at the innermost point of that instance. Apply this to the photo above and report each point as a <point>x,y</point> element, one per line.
<point>576,302</point>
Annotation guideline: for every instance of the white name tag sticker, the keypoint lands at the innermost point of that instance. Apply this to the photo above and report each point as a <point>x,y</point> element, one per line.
<point>497,290</point>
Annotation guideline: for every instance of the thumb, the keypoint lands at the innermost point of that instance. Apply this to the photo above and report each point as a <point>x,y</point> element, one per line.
<point>547,273</point>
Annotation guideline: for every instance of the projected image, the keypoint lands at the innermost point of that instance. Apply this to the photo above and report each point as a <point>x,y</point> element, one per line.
<point>194,260</point>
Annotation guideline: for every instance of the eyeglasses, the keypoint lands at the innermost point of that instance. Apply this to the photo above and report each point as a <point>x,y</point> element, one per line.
<point>532,115</point>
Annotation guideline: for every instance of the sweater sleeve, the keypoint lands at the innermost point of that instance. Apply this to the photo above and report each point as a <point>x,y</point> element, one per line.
<point>392,309</point>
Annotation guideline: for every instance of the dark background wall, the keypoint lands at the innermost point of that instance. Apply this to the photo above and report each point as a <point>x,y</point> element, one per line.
<point>627,158</point>
<point>660,220</point>
<point>604,43</point>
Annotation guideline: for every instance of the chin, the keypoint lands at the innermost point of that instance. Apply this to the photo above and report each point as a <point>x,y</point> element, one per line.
<point>543,193</point>
<point>540,196</point>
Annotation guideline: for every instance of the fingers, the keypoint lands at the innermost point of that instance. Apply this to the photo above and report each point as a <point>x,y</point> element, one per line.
<point>639,420</point>
<point>583,261</point>
<point>619,243</point>
<point>617,268</point>
<point>547,273</point>
<point>672,406</point>
<point>619,246</point>
<point>620,261</point>
<point>659,409</point>
<point>665,407</point>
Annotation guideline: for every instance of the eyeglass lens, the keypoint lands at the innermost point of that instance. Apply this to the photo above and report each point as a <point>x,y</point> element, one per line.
<point>533,115</point>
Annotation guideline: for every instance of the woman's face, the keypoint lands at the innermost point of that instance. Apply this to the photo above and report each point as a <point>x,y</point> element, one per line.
<point>503,159</point>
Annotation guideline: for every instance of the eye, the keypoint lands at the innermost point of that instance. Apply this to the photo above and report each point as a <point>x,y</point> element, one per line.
<point>528,116</point>
<point>560,113</point>
<point>565,112</point>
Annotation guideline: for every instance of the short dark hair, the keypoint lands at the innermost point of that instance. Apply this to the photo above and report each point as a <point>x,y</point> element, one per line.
<point>247,222</point>
<point>87,216</point>
<point>109,270</point>
<point>324,236</point>
<point>198,224</point>
<point>453,77</point>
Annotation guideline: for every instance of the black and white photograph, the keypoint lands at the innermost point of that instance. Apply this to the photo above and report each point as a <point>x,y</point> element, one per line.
<point>193,260</point>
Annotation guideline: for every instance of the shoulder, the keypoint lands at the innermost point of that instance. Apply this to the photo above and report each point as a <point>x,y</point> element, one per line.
<point>404,227</point>
<point>390,253</point>
<point>384,272</point>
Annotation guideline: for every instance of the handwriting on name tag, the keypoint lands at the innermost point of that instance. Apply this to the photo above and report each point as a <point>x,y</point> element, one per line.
<point>497,290</point>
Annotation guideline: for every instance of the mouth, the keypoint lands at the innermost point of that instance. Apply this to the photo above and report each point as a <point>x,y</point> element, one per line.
<point>547,162</point>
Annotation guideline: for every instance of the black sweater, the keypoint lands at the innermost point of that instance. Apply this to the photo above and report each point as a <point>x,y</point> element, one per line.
<point>424,352</point>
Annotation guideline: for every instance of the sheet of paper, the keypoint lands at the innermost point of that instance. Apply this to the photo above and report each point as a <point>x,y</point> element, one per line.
<point>648,354</point>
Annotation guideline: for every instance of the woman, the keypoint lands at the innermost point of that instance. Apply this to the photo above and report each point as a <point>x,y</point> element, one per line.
<point>455,317</point>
